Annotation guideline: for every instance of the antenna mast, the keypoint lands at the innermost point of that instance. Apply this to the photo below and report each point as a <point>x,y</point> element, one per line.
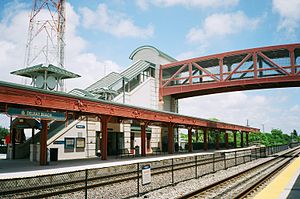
<point>46,44</point>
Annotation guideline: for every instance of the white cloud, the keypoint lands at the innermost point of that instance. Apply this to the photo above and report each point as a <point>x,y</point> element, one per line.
<point>91,70</point>
<point>115,23</point>
<point>144,4</point>
<point>221,25</point>
<point>289,15</point>
<point>295,108</point>
<point>77,58</point>
<point>237,107</point>
<point>12,42</point>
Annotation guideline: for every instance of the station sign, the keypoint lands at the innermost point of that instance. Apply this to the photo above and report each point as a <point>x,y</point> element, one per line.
<point>80,126</point>
<point>146,174</point>
<point>36,114</point>
<point>59,142</point>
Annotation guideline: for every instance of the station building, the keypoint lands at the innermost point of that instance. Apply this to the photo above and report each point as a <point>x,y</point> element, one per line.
<point>80,136</point>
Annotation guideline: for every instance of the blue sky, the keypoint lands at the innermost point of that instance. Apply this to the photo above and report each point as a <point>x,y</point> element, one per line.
<point>101,35</point>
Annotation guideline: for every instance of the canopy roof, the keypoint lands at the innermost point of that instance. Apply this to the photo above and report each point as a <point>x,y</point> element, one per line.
<point>106,82</point>
<point>136,68</point>
<point>41,69</point>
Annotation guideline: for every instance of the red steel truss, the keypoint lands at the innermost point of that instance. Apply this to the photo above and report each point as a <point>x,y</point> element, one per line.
<point>257,68</point>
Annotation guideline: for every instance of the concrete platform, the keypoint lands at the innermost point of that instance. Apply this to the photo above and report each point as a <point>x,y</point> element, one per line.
<point>25,168</point>
<point>285,185</point>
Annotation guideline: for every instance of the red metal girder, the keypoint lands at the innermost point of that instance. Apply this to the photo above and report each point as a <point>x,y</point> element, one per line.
<point>104,130</point>
<point>221,68</point>
<point>238,66</point>
<point>173,76</point>
<point>206,71</point>
<point>231,53</point>
<point>36,98</point>
<point>292,60</point>
<point>255,64</point>
<point>43,143</point>
<point>273,63</point>
<point>143,139</point>
<point>190,73</point>
<point>170,138</point>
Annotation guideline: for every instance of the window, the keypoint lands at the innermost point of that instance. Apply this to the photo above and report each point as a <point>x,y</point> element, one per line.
<point>69,144</point>
<point>80,144</point>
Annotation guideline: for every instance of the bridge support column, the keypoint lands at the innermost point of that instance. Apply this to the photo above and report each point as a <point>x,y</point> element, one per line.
<point>170,138</point>
<point>190,139</point>
<point>143,138</point>
<point>247,138</point>
<point>234,139</point>
<point>104,131</point>
<point>217,139</point>
<point>242,139</point>
<point>226,140</point>
<point>43,143</point>
<point>205,139</point>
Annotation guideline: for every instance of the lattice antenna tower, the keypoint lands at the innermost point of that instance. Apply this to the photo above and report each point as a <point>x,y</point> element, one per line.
<point>46,34</point>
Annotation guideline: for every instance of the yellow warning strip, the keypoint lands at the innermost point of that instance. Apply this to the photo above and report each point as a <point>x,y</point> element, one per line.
<point>278,185</point>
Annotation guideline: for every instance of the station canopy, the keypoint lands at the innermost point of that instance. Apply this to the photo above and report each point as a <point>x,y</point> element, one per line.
<point>41,69</point>
<point>46,77</point>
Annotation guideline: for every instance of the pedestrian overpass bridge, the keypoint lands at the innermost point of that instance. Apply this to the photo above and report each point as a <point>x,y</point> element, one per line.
<point>257,68</point>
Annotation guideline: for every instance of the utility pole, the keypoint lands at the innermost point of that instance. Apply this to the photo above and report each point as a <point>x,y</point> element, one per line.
<point>263,126</point>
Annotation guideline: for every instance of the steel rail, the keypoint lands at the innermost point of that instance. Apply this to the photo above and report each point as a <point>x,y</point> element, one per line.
<point>263,180</point>
<point>220,182</point>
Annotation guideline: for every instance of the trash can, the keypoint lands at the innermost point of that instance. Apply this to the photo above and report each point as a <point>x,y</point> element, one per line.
<point>137,150</point>
<point>53,154</point>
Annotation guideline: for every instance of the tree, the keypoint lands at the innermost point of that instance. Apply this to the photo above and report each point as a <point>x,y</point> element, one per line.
<point>214,119</point>
<point>294,135</point>
<point>276,132</point>
<point>3,133</point>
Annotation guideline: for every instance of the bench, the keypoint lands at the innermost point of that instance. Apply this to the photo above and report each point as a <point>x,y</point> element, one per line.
<point>125,153</point>
<point>156,150</point>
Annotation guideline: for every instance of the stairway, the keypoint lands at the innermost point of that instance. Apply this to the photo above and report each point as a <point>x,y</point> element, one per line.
<point>23,150</point>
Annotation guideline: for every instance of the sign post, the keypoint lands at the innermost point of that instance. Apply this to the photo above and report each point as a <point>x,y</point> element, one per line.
<point>146,174</point>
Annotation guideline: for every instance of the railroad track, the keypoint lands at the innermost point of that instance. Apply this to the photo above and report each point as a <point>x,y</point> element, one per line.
<point>246,183</point>
<point>86,180</point>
